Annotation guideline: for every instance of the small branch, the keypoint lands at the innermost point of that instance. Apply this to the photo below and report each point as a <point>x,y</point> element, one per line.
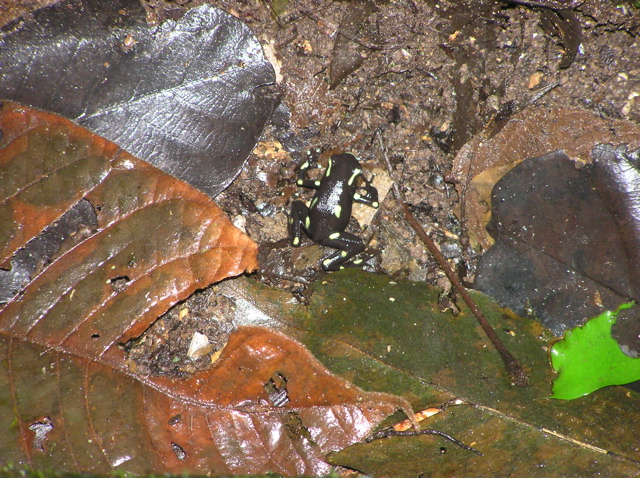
<point>547,4</point>
<point>541,93</point>
<point>517,373</point>
<point>390,432</point>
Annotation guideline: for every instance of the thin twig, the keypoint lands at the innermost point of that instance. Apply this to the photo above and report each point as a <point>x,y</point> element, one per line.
<point>390,432</point>
<point>547,4</point>
<point>541,93</point>
<point>517,373</point>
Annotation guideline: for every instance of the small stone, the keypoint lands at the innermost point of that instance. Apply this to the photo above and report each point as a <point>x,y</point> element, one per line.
<point>199,346</point>
<point>535,79</point>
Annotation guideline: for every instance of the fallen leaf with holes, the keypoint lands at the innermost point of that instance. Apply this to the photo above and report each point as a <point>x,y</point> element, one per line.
<point>406,346</point>
<point>530,133</point>
<point>69,401</point>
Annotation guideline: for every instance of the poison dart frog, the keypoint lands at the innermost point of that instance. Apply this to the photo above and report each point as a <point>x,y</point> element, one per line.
<point>327,216</point>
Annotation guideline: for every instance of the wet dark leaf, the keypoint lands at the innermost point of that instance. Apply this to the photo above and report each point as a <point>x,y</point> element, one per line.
<point>189,96</point>
<point>533,132</point>
<point>567,238</point>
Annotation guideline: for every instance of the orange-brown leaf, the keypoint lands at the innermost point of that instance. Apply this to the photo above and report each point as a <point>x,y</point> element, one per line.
<point>68,400</point>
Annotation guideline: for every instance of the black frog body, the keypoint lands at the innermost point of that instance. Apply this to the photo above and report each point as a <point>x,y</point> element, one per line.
<point>327,216</point>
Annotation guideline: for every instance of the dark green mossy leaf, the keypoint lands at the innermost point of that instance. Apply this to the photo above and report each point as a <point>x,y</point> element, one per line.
<point>390,337</point>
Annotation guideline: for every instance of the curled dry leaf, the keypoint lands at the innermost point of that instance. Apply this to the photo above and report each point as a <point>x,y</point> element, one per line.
<point>533,132</point>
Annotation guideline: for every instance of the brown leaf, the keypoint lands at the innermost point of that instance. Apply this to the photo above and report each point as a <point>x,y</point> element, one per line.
<point>164,238</point>
<point>232,409</point>
<point>531,133</point>
<point>156,241</point>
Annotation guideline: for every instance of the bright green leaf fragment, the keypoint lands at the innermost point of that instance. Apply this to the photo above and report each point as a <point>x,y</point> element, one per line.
<point>588,358</point>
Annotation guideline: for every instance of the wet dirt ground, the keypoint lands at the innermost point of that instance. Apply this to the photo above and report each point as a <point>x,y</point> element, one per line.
<point>415,81</point>
<point>427,77</point>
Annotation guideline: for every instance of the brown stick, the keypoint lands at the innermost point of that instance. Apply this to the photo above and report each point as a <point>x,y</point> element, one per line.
<point>517,373</point>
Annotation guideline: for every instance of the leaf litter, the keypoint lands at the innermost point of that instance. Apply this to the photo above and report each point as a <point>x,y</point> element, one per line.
<point>421,176</point>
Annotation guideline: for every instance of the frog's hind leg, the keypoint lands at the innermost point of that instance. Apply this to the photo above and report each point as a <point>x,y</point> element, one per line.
<point>349,245</point>
<point>298,221</point>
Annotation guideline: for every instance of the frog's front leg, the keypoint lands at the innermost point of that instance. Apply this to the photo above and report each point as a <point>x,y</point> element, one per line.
<point>370,196</point>
<point>298,221</point>
<point>303,181</point>
<point>348,245</point>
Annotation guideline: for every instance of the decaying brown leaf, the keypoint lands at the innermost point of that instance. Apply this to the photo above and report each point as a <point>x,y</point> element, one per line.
<point>533,132</point>
<point>156,241</point>
<point>235,427</point>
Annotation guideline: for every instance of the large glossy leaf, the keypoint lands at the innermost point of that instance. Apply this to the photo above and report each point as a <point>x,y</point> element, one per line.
<point>218,421</point>
<point>189,96</point>
<point>68,400</point>
<point>390,336</point>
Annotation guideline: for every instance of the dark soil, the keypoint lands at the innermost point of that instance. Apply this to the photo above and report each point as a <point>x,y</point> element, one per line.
<point>426,78</point>
<point>416,80</point>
